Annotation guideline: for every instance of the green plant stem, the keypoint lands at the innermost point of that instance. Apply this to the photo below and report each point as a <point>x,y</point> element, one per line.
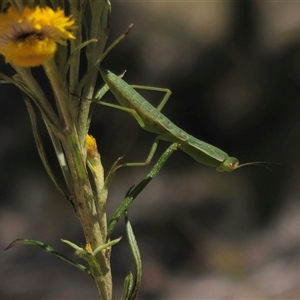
<point>84,206</point>
<point>60,93</point>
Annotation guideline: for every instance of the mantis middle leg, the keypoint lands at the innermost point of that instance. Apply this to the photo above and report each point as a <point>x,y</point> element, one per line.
<point>148,159</point>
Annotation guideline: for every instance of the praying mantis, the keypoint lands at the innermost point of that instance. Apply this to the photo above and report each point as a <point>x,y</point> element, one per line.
<point>151,119</point>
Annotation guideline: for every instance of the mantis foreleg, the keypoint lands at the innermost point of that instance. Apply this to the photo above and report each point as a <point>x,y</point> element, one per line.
<point>126,109</point>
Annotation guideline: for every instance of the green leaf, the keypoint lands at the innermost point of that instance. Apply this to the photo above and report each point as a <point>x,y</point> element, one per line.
<point>73,57</point>
<point>50,250</point>
<point>85,78</point>
<point>40,147</point>
<point>137,260</point>
<point>127,287</point>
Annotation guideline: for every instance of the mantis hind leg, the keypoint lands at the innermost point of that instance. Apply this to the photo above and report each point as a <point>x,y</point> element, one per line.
<point>105,89</point>
<point>156,89</point>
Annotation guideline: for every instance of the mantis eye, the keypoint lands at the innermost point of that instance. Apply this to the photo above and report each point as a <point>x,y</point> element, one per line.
<point>228,165</point>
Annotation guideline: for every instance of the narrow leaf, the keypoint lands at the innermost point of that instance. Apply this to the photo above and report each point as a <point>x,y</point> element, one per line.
<point>50,250</point>
<point>137,260</point>
<point>40,146</point>
<point>74,56</point>
<point>127,287</point>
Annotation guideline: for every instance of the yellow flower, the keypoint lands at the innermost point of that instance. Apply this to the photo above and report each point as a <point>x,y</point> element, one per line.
<point>91,145</point>
<point>29,37</point>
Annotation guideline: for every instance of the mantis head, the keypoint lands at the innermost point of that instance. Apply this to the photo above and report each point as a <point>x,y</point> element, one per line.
<point>231,163</point>
<point>228,165</point>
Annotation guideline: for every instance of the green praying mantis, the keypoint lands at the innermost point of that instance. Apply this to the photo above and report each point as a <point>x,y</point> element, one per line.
<point>151,119</point>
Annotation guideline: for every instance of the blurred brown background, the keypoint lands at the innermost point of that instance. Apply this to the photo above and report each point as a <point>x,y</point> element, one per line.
<point>234,70</point>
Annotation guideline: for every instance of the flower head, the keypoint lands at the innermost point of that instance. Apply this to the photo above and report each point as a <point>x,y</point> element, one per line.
<point>29,37</point>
